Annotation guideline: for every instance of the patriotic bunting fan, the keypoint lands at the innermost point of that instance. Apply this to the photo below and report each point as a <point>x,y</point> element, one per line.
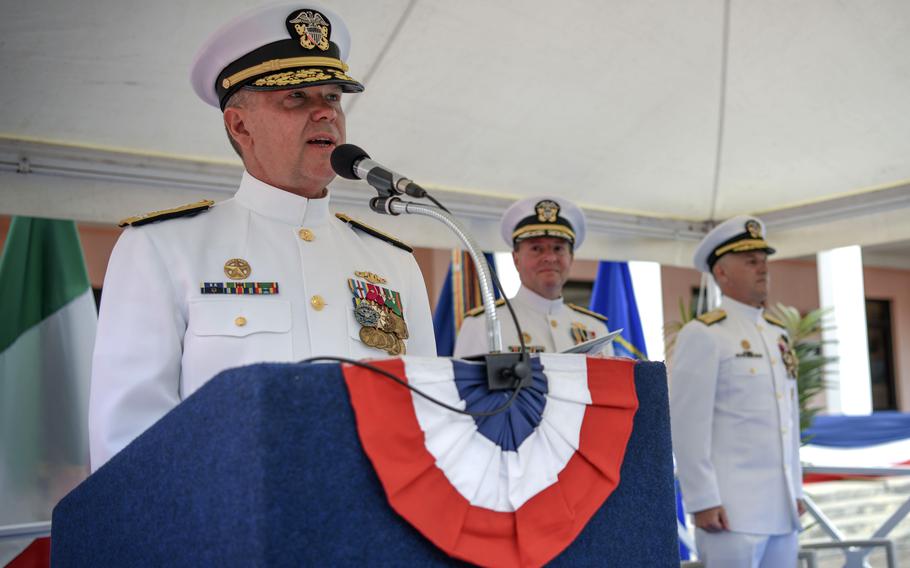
<point>513,489</point>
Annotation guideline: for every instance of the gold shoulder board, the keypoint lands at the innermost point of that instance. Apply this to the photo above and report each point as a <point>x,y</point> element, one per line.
<point>354,223</point>
<point>187,210</point>
<point>712,317</point>
<point>586,311</point>
<point>773,320</point>
<point>480,309</point>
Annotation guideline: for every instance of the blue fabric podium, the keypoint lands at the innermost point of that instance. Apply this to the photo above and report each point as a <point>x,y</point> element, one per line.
<point>263,467</point>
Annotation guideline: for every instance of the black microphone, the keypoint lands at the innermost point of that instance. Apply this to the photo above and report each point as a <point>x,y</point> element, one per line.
<point>352,162</point>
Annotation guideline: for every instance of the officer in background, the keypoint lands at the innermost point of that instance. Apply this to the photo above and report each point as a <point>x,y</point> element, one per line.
<point>734,411</point>
<point>271,274</point>
<point>543,233</point>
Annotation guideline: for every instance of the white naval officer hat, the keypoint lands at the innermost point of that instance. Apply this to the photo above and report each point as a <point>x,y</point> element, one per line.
<point>274,47</point>
<point>742,233</point>
<point>543,216</point>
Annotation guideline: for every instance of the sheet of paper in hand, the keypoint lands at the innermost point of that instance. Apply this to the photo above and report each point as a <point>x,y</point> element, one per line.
<point>593,346</point>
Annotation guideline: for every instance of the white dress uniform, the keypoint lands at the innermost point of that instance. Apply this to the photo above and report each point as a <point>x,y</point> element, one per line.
<point>161,336</point>
<point>734,413</point>
<point>549,326</point>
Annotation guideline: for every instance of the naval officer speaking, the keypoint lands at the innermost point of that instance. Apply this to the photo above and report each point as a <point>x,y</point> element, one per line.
<point>271,274</point>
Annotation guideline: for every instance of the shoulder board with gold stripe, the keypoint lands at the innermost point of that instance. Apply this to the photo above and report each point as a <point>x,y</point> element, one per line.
<point>712,317</point>
<point>773,320</point>
<point>480,309</point>
<point>374,232</point>
<point>187,210</point>
<point>586,311</point>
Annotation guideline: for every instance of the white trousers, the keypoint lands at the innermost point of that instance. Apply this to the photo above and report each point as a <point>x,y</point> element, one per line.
<point>745,550</point>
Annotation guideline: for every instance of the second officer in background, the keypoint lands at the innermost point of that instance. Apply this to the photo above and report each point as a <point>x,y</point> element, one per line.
<point>544,233</point>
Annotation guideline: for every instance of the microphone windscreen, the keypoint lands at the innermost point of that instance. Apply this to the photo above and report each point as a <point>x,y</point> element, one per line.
<point>344,157</point>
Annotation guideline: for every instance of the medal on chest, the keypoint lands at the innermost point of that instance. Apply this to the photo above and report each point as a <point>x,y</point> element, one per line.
<point>528,347</point>
<point>788,355</point>
<point>747,351</point>
<point>380,313</point>
<point>580,333</point>
<point>239,269</point>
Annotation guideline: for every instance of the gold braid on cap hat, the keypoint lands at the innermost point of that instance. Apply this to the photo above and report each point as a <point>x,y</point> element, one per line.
<point>280,64</point>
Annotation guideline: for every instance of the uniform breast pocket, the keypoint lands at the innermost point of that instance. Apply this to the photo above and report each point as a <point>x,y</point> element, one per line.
<point>746,385</point>
<point>225,333</point>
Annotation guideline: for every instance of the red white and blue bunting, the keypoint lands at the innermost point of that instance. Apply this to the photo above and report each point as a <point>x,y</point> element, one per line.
<point>881,439</point>
<point>514,489</point>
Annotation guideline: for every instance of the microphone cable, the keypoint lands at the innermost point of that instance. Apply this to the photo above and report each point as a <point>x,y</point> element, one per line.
<point>524,357</point>
<point>414,389</point>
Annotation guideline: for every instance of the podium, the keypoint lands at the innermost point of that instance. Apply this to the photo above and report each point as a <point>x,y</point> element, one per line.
<point>263,467</point>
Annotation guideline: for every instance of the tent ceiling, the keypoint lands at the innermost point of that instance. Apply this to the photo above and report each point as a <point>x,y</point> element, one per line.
<point>656,116</point>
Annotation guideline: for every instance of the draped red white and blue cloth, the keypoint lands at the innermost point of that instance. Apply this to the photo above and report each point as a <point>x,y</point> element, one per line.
<point>513,489</point>
<point>881,439</point>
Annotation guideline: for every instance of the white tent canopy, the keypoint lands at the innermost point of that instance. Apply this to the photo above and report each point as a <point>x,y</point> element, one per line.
<point>657,117</point>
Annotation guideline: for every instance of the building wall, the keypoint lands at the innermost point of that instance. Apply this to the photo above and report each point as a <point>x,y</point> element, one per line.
<point>97,244</point>
<point>894,285</point>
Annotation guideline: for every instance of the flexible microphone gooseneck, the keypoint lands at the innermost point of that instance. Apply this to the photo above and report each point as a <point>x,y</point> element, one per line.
<point>504,370</point>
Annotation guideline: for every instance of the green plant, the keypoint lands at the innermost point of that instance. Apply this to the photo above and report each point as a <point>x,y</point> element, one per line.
<point>672,328</point>
<point>805,335</point>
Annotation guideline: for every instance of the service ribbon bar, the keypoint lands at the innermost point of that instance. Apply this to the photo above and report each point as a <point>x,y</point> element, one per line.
<point>256,288</point>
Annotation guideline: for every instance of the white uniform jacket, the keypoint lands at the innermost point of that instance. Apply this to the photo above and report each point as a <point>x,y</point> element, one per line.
<point>160,337</point>
<point>549,326</point>
<point>735,420</point>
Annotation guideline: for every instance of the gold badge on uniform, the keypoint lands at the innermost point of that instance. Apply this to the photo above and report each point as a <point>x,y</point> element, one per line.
<point>747,351</point>
<point>370,276</point>
<point>788,355</point>
<point>753,228</point>
<point>547,210</point>
<point>380,312</point>
<point>237,269</point>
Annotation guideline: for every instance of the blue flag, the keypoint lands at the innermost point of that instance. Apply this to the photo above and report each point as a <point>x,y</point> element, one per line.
<point>458,295</point>
<point>614,297</point>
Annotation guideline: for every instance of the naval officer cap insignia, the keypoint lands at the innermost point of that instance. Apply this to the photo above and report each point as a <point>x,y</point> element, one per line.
<point>739,234</point>
<point>543,217</point>
<point>274,47</point>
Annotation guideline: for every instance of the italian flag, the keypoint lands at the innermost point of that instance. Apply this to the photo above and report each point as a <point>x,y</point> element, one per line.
<point>47,332</point>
